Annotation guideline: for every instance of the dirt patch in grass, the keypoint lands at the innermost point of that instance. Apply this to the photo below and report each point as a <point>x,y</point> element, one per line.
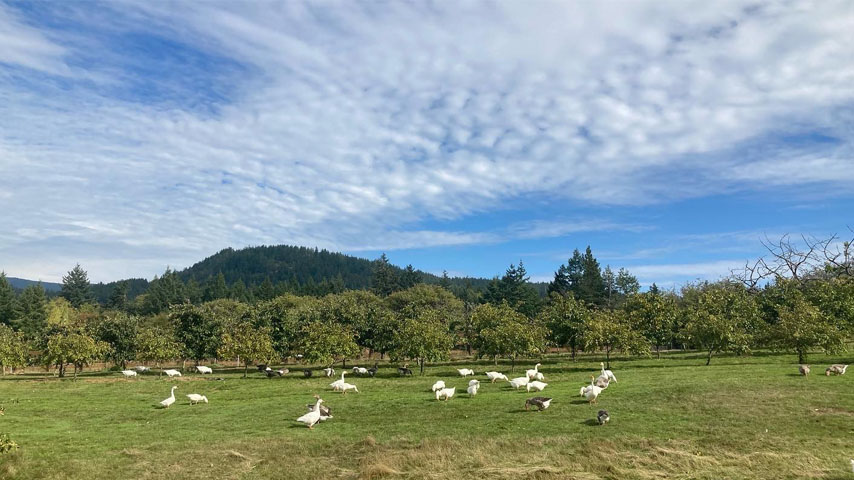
<point>833,411</point>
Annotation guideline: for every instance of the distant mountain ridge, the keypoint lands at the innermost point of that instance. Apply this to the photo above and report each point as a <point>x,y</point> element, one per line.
<point>282,264</point>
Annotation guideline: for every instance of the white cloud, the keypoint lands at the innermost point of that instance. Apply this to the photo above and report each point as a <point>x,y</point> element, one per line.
<point>340,125</point>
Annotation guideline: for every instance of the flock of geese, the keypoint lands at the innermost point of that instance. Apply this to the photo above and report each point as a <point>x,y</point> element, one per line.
<point>532,381</point>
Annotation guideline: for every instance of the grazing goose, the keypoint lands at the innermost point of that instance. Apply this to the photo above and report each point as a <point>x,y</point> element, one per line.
<point>262,367</point>
<point>539,376</point>
<point>329,372</point>
<point>440,384</point>
<point>344,387</point>
<point>536,385</point>
<point>307,373</point>
<point>532,373</point>
<point>404,370</point>
<point>170,400</point>
<point>141,368</point>
<point>203,369</point>
<point>196,398</point>
<point>836,369</point>
<point>275,373</point>
<point>473,386</point>
<point>602,382</point>
<point>590,392</point>
<point>602,417</point>
<point>311,418</point>
<point>373,370</point>
<point>493,376</point>
<point>129,373</point>
<point>445,393</point>
<point>519,382</point>
<point>607,373</point>
<point>541,403</point>
<point>465,372</point>
<point>804,370</point>
<point>172,373</point>
<point>360,370</point>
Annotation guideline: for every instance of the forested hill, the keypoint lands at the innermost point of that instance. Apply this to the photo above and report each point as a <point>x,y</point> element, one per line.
<point>294,269</point>
<point>20,284</point>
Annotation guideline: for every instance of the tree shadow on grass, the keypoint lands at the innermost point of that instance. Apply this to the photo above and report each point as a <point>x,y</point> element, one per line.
<point>590,422</point>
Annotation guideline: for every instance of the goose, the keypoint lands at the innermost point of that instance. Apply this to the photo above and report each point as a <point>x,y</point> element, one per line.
<point>203,369</point>
<point>541,403</point>
<point>465,371</point>
<point>602,417</point>
<point>275,373</point>
<point>129,373</point>
<point>404,370</point>
<point>607,373</point>
<point>804,370</point>
<point>493,376</point>
<point>307,373</point>
<point>590,392</point>
<point>329,372</point>
<point>311,418</point>
<point>519,382</point>
<point>325,412</point>
<point>360,370</point>
<point>836,369</point>
<point>262,367</point>
<point>141,368</point>
<point>373,370</point>
<point>536,385</point>
<point>196,398</point>
<point>539,376</point>
<point>170,400</point>
<point>445,393</point>
<point>533,372</point>
<point>473,386</point>
<point>440,384</point>
<point>337,383</point>
<point>172,373</point>
<point>344,387</point>
<point>602,382</point>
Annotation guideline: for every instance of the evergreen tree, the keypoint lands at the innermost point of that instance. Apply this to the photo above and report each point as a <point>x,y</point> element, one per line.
<point>32,317</point>
<point>610,281</point>
<point>193,291</point>
<point>216,288</point>
<point>627,284</point>
<point>592,286</point>
<point>514,289</point>
<point>385,280</point>
<point>238,291</point>
<point>265,291</point>
<point>560,284</point>
<point>568,277</point>
<point>445,282</point>
<point>8,310</point>
<point>654,289</point>
<point>409,278</point>
<point>164,291</point>
<point>76,288</point>
<point>119,297</point>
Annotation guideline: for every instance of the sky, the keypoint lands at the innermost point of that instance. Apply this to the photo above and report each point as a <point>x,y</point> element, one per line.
<point>670,136</point>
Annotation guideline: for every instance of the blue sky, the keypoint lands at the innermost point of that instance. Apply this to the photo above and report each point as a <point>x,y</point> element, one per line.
<point>670,136</point>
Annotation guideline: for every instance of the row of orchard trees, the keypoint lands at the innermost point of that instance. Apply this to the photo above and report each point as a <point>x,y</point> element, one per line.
<point>424,323</point>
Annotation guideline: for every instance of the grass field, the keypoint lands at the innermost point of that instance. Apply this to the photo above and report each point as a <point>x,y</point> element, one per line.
<point>742,417</point>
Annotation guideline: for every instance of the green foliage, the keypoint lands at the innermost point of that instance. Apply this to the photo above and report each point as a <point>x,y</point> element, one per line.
<point>247,342</point>
<point>60,313</point>
<point>655,316</point>
<point>724,318</point>
<point>423,337</point>
<point>157,345</point>
<point>32,311</point>
<point>76,288</point>
<point>8,304</point>
<point>385,279</point>
<point>13,348</point>
<point>285,316</point>
<point>626,283</point>
<point>514,289</point>
<point>7,444</point>
<point>410,277</point>
<point>199,331</point>
<point>164,292</point>
<point>326,342</point>
<point>119,330</point>
<point>119,296</point>
<point>505,332</point>
<point>215,288</point>
<point>422,298</point>
<point>609,330</point>
<point>76,348</point>
<point>567,319</point>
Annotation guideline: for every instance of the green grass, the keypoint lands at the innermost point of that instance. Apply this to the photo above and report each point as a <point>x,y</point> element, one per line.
<point>741,417</point>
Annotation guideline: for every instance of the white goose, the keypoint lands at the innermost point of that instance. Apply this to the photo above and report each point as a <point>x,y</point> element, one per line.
<point>519,382</point>
<point>591,392</point>
<point>440,384</point>
<point>496,376</point>
<point>474,385</point>
<point>345,387</point>
<point>360,370</point>
<point>338,383</point>
<point>172,373</point>
<point>196,398</point>
<point>465,372</point>
<point>445,393</point>
<point>311,418</point>
<point>536,385</point>
<point>141,368</point>
<point>170,400</point>
<point>532,373</point>
<point>203,369</point>
<point>129,373</point>
<point>607,373</point>
<point>330,372</point>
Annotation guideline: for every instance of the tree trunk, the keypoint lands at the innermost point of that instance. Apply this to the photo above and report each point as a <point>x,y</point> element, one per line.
<point>608,358</point>
<point>421,363</point>
<point>658,351</point>
<point>802,358</point>
<point>61,370</point>
<point>245,368</point>
<point>512,363</point>
<point>495,360</point>
<point>382,355</point>
<point>709,358</point>
<point>573,353</point>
